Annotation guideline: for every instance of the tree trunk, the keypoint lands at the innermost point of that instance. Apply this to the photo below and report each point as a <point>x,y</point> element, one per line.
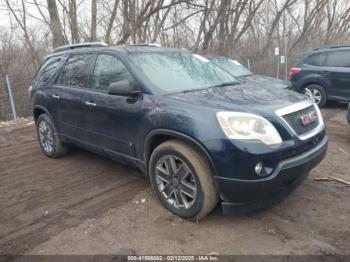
<point>126,24</point>
<point>56,29</point>
<point>93,20</point>
<point>111,22</point>
<point>209,34</point>
<point>73,21</point>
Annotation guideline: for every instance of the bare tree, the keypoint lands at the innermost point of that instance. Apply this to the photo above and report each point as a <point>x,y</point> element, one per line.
<point>93,20</point>
<point>55,24</point>
<point>73,21</point>
<point>111,22</point>
<point>20,15</point>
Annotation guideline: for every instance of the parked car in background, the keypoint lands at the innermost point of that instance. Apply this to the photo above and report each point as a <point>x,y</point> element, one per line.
<point>242,73</point>
<point>325,72</point>
<point>199,134</point>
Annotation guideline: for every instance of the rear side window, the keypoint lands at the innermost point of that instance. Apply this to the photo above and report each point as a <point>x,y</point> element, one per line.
<point>48,69</point>
<point>338,59</point>
<point>315,59</point>
<point>109,69</point>
<point>76,71</point>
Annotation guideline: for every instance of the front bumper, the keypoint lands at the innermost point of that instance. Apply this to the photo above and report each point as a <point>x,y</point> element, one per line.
<point>240,196</point>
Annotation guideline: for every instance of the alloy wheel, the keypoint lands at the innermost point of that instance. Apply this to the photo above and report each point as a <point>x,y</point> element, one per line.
<point>314,94</point>
<point>46,136</point>
<point>176,182</point>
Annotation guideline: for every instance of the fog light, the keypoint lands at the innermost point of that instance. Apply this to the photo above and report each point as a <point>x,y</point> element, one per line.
<point>258,168</point>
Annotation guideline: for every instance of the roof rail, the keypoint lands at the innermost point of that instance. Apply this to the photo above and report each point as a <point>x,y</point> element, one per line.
<point>145,44</point>
<point>80,45</point>
<point>331,47</point>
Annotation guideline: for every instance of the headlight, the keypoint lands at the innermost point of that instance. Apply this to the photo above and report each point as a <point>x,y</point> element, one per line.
<point>244,126</point>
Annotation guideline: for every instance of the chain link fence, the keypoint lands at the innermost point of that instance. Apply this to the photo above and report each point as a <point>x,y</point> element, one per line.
<point>19,85</point>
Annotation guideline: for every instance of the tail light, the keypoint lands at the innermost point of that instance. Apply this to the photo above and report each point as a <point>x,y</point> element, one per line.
<point>293,72</point>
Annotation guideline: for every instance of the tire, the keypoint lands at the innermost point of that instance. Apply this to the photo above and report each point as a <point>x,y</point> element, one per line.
<point>199,178</point>
<point>320,92</point>
<point>50,143</point>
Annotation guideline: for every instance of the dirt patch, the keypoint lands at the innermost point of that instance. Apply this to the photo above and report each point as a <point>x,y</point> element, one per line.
<point>85,204</point>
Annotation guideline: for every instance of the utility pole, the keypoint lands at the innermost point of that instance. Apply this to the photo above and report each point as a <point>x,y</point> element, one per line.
<point>286,54</point>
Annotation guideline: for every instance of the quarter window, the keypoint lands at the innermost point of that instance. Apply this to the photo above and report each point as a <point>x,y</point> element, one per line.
<point>48,69</point>
<point>76,71</point>
<point>338,59</point>
<point>109,69</point>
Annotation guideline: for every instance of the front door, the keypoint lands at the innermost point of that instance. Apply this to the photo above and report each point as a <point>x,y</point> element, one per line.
<point>113,121</point>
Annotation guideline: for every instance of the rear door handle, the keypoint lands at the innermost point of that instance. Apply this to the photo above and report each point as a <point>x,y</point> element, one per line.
<point>88,103</point>
<point>325,72</point>
<point>56,96</point>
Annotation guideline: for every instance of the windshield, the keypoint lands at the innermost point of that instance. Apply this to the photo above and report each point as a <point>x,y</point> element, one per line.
<point>180,71</point>
<point>231,66</point>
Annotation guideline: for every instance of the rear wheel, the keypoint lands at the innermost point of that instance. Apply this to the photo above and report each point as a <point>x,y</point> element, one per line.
<point>182,180</point>
<point>318,93</point>
<point>51,145</point>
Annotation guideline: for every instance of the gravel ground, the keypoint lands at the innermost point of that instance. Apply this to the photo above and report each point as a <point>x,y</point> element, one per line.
<point>85,204</point>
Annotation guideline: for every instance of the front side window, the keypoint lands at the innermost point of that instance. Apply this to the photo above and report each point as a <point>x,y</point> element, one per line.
<point>48,69</point>
<point>338,59</point>
<point>231,66</point>
<point>76,71</point>
<point>181,71</point>
<point>108,69</point>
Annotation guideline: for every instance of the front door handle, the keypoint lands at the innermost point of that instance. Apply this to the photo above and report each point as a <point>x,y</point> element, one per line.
<point>325,72</point>
<point>88,103</point>
<point>55,96</point>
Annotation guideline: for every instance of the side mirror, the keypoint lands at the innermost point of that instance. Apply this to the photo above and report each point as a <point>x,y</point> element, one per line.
<point>121,88</point>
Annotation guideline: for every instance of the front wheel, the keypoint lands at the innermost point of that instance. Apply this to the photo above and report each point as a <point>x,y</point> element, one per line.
<point>317,93</point>
<point>182,179</point>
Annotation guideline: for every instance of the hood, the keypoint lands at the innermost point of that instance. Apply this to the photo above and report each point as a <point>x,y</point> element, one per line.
<point>265,80</point>
<point>244,97</point>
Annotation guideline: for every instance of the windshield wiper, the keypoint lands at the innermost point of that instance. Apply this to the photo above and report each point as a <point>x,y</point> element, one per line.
<point>186,91</point>
<point>246,75</point>
<point>191,90</point>
<point>204,88</point>
<point>226,84</point>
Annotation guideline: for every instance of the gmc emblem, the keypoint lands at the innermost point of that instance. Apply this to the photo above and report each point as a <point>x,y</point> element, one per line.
<point>309,118</point>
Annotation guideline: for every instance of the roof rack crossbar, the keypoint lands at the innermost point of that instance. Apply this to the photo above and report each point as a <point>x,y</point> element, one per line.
<point>80,45</point>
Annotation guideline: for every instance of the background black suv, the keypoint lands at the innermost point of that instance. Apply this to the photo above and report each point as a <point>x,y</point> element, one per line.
<point>325,72</point>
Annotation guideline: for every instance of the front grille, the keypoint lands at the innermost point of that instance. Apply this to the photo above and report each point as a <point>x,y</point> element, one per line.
<point>294,120</point>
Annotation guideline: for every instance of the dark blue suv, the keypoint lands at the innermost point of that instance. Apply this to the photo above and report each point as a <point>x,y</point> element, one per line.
<point>198,133</point>
<point>324,73</point>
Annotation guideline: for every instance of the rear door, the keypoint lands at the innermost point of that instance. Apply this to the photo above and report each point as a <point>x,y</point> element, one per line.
<point>337,69</point>
<point>44,79</point>
<point>113,121</point>
<point>72,83</point>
